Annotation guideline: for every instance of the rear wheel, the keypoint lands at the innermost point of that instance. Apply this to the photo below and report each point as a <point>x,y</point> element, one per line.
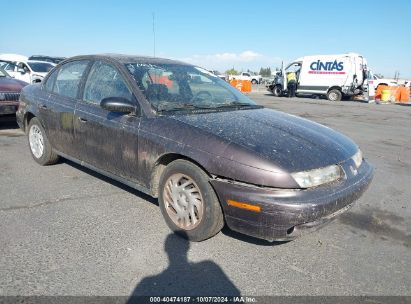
<point>188,203</point>
<point>334,95</point>
<point>40,147</point>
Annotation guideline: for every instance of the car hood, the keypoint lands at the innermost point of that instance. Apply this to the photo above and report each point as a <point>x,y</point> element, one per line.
<point>289,142</point>
<point>8,84</point>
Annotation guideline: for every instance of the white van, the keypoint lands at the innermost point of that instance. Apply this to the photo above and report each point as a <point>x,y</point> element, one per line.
<point>334,76</point>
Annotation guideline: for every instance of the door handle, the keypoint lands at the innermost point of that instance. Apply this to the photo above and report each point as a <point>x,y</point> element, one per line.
<point>43,106</point>
<point>82,120</point>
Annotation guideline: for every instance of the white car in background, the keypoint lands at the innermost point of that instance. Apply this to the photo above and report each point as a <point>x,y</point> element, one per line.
<point>30,71</point>
<point>255,79</point>
<point>375,80</point>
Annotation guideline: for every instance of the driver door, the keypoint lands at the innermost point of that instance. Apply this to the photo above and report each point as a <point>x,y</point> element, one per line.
<point>26,75</point>
<point>11,69</point>
<point>107,140</point>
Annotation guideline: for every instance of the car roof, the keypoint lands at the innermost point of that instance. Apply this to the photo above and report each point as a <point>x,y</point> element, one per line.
<point>46,56</point>
<point>122,58</point>
<point>13,57</point>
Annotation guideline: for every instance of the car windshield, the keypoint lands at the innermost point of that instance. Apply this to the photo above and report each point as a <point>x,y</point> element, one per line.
<point>40,67</point>
<point>174,87</point>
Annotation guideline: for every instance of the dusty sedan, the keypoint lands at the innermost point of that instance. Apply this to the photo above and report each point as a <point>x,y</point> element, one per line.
<point>210,154</point>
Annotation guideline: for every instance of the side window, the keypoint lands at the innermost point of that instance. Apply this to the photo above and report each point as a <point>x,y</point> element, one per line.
<point>10,67</point>
<point>50,81</point>
<point>24,67</point>
<point>69,77</point>
<point>105,81</point>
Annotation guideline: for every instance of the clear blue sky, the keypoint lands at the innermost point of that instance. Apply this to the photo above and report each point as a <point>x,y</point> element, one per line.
<point>217,34</point>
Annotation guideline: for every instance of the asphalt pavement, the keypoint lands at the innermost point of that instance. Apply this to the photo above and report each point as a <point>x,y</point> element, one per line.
<point>65,230</point>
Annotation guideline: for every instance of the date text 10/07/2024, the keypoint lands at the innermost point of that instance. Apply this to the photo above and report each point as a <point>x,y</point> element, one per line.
<point>236,299</point>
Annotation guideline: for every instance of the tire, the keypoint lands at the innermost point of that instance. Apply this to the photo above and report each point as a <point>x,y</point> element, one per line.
<point>39,145</point>
<point>205,218</point>
<point>277,91</point>
<point>254,81</point>
<point>334,95</point>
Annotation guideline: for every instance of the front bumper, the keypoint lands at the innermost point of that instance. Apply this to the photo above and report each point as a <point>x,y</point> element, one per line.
<point>8,107</point>
<point>287,213</point>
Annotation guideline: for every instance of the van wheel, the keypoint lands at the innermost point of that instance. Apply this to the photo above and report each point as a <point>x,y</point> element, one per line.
<point>277,91</point>
<point>334,95</point>
<point>188,203</point>
<point>254,81</point>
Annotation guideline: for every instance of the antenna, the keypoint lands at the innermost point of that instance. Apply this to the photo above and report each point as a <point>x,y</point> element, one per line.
<point>154,36</point>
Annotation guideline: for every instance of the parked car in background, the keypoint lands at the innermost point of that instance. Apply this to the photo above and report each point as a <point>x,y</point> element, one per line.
<point>29,71</point>
<point>376,80</point>
<point>255,79</point>
<point>219,75</point>
<point>267,80</point>
<point>55,60</point>
<point>9,93</point>
<point>209,153</point>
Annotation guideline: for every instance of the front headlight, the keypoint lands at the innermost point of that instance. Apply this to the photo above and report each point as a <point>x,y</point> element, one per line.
<point>357,158</point>
<point>316,177</point>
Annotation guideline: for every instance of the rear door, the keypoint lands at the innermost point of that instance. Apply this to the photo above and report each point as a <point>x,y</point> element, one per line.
<point>108,140</point>
<point>60,94</point>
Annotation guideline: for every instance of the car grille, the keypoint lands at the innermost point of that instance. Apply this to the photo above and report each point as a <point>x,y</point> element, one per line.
<point>8,96</point>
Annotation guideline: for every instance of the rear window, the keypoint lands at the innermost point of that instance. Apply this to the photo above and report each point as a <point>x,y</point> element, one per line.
<point>69,78</point>
<point>40,67</point>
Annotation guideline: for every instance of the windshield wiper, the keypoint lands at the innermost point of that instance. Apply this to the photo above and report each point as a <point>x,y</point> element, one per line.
<point>237,104</point>
<point>182,106</point>
<point>191,106</point>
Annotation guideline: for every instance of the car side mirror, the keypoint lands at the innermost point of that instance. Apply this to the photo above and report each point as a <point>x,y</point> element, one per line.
<point>21,70</point>
<point>118,104</point>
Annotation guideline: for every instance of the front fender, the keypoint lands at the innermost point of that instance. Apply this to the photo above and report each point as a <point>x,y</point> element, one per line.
<point>252,169</point>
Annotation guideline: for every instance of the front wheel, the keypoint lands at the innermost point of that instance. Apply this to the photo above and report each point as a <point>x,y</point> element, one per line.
<point>188,203</point>
<point>334,95</point>
<point>254,81</point>
<point>277,91</point>
<point>40,147</point>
